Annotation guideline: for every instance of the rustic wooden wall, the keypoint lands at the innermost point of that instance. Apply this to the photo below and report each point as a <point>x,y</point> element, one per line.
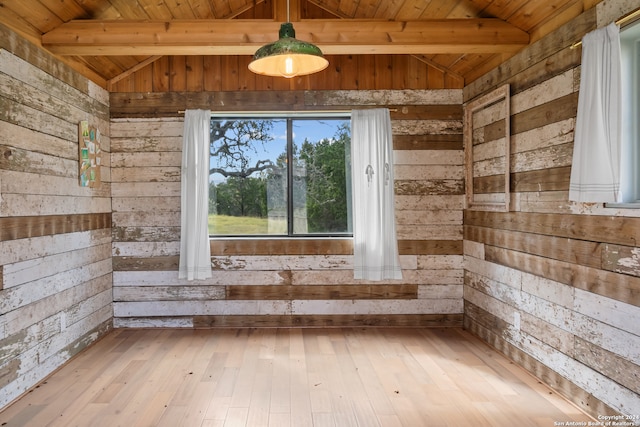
<point>230,73</point>
<point>554,284</point>
<point>287,282</point>
<point>55,237</point>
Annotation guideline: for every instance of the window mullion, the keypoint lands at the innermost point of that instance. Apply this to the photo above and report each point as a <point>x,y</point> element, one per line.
<point>290,177</point>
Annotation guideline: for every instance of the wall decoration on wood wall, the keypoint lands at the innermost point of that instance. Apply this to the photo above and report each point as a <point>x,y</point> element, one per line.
<point>487,151</point>
<point>90,155</point>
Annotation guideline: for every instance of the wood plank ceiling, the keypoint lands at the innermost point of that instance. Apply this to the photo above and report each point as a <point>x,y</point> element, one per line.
<point>107,39</point>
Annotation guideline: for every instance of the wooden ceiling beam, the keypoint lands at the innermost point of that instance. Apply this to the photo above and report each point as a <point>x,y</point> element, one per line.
<point>243,37</point>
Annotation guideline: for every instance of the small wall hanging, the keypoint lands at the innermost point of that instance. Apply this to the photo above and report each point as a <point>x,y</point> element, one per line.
<point>89,155</point>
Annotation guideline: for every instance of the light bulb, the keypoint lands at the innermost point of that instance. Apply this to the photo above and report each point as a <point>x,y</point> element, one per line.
<point>289,70</point>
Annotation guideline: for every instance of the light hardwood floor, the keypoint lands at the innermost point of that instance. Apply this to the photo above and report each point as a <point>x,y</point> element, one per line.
<point>290,377</point>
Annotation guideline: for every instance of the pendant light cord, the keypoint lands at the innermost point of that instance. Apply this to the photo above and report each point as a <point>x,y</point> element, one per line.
<point>288,19</point>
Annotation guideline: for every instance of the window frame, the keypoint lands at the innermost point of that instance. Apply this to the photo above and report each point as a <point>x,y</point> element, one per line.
<point>289,117</point>
<point>498,100</point>
<point>630,58</point>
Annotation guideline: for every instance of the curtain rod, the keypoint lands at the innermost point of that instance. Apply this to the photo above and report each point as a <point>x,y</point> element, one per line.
<point>626,18</point>
<point>300,112</point>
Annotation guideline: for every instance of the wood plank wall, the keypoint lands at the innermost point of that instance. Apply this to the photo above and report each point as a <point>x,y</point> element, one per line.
<point>555,284</point>
<point>286,282</point>
<point>55,237</point>
<point>230,73</point>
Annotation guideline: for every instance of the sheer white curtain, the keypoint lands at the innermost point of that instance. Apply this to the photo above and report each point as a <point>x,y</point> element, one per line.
<point>374,232</point>
<point>595,171</point>
<point>195,254</point>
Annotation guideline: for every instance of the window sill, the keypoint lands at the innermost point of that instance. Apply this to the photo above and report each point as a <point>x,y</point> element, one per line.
<point>635,205</point>
<point>281,246</point>
<point>266,237</point>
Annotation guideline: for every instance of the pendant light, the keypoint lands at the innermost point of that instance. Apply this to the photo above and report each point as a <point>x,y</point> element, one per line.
<point>288,57</point>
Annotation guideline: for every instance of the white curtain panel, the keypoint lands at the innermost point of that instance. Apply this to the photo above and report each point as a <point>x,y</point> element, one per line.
<point>595,171</point>
<point>374,231</point>
<point>195,254</point>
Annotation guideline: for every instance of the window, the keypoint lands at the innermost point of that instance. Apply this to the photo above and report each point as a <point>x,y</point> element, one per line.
<point>630,54</point>
<point>280,175</point>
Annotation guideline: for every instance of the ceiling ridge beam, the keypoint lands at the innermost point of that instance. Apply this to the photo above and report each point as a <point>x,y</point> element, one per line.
<point>242,37</point>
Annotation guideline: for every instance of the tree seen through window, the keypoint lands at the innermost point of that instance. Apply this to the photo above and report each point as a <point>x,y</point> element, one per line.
<point>279,176</point>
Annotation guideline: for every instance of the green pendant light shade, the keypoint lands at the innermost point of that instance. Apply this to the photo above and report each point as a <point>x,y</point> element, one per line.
<point>288,57</point>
